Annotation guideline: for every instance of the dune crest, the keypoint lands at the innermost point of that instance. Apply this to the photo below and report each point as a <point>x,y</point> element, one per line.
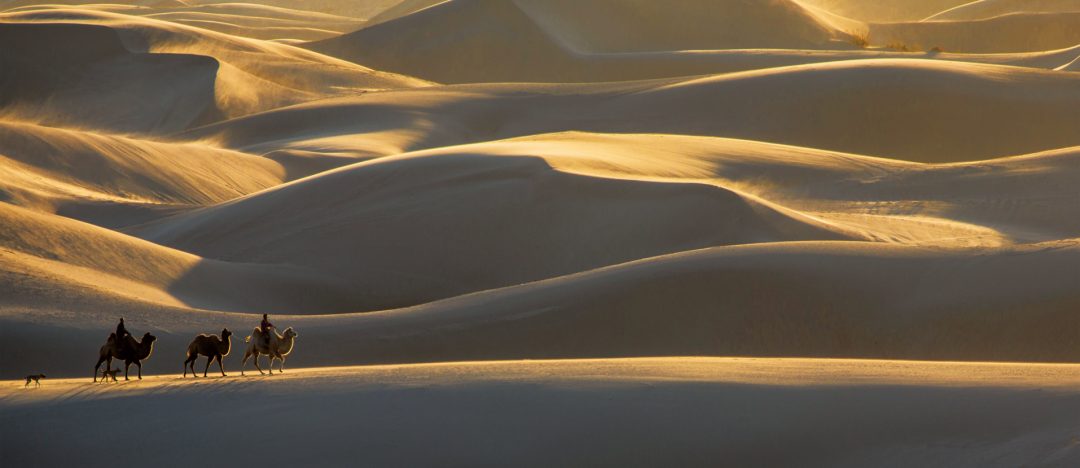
<point>984,9</point>
<point>885,11</point>
<point>959,112</point>
<point>88,176</point>
<point>77,60</point>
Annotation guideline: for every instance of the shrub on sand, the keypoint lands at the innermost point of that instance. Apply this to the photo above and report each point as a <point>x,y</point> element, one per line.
<point>901,47</point>
<point>860,38</point>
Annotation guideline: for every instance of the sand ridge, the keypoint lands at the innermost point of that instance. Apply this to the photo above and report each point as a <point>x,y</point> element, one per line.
<point>984,9</point>
<point>962,112</point>
<point>688,411</point>
<point>549,233</point>
<point>192,76</point>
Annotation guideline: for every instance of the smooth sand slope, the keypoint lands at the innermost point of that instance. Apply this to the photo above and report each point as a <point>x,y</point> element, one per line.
<point>244,20</point>
<point>127,74</point>
<point>886,11</point>
<point>90,176</point>
<point>710,239</point>
<point>838,299</point>
<point>101,262</point>
<point>554,41</point>
<point>358,9</point>
<point>630,412</point>
<point>581,202</point>
<point>602,40</point>
<point>1073,66</point>
<point>498,202</point>
<point>1013,33</point>
<point>519,40</point>
<point>630,25</point>
<point>990,8</point>
<point>540,207</point>
<point>911,110</point>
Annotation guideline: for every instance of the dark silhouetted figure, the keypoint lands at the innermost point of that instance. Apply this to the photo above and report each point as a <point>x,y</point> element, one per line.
<point>265,326</point>
<point>121,334</point>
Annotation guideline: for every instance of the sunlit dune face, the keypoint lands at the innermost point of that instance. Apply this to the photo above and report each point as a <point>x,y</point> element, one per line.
<point>572,232</point>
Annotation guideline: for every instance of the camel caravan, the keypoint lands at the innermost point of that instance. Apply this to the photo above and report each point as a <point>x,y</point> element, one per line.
<point>264,341</point>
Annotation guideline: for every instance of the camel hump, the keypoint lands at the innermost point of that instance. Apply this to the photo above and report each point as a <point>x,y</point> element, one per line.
<point>112,337</point>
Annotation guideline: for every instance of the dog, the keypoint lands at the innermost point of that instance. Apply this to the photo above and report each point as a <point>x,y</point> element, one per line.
<point>106,374</point>
<point>35,378</point>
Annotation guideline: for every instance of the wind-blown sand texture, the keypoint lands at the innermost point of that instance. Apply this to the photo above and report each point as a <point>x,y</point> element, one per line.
<point>616,40</point>
<point>546,233</point>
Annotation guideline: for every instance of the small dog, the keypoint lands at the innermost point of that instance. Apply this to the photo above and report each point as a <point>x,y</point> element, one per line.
<point>35,378</point>
<point>106,374</point>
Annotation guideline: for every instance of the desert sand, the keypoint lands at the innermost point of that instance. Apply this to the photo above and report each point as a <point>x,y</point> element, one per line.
<point>537,233</point>
<point>632,412</point>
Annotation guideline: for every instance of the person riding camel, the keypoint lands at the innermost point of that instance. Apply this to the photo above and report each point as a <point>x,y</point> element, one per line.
<point>265,327</point>
<point>121,333</point>
<point>121,330</point>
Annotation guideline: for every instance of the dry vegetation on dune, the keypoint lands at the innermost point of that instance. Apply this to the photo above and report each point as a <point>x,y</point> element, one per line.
<point>583,181</point>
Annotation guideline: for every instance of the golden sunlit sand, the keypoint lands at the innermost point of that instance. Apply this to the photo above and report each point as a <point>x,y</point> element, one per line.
<point>544,232</point>
<point>635,412</point>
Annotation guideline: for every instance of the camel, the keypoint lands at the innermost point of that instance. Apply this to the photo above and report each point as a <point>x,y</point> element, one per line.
<point>279,347</point>
<point>210,347</point>
<point>130,351</point>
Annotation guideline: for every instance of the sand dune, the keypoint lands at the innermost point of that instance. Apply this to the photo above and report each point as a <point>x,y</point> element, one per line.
<point>603,190</point>
<point>266,33</point>
<point>990,8</point>
<point>647,195</point>
<point>78,69</point>
<point>81,75</point>
<point>831,299</point>
<point>650,412</point>
<point>279,64</point>
<point>525,41</point>
<point>402,8</point>
<point>247,13</point>
<point>545,41</point>
<point>909,110</point>
<point>1017,32</point>
<point>885,11</point>
<point>488,201</point>
<point>1073,66</point>
<point>71,261</point>
<point>614,26</point>
<point>244,20</point>
<point>357,9</point>
<point>103,179</point>
<point>809,299</point>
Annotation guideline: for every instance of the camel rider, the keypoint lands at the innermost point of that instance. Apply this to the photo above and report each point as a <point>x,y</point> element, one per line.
<point>121,333</point>
<point>265,326</point>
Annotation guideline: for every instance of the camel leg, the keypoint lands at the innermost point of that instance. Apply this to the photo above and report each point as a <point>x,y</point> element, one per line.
<point>188,362</point>
<point>127,366</point>
<point>97,369</point>
<point>209,360</point>
<point>221,366</point>
<point>247,355</point>
<point>139,365</point>
<point>257,364</point>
